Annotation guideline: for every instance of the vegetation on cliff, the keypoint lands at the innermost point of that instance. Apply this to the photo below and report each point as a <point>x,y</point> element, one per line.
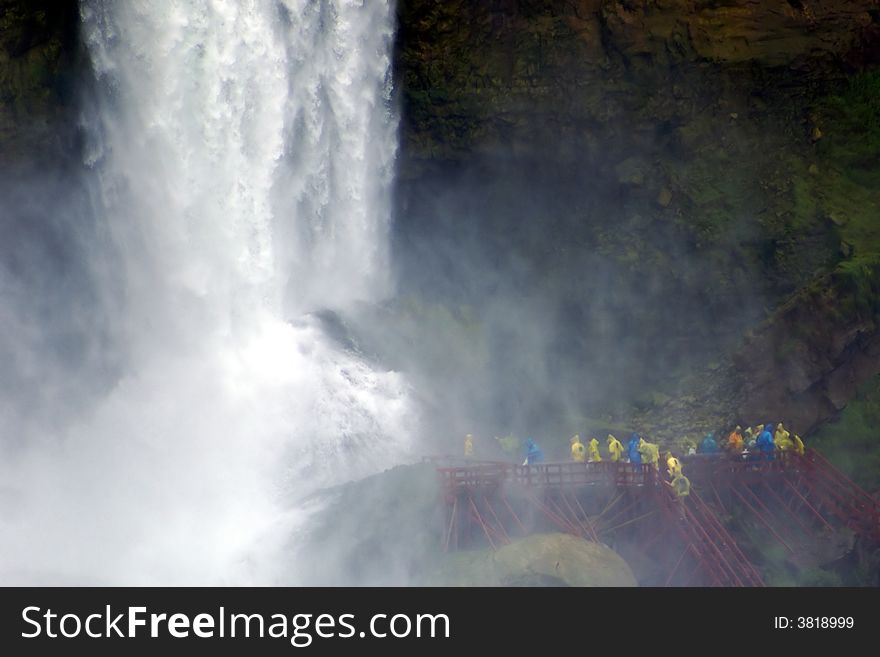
<point>683,194</point>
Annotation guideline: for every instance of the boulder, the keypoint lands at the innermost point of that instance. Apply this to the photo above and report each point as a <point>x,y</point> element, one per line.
<point>537,560</point>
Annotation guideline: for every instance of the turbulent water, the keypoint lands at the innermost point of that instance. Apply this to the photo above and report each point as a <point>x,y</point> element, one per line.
<point>242,154</point>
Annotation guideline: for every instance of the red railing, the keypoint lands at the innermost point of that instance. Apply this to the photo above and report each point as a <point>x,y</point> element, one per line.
<point>705,538</point>
<point>839,495</point>
<point>814,488</point>
<point>546,475</point>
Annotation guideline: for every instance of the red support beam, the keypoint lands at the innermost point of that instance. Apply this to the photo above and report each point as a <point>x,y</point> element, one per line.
<point>714,555</point>
<point>515,517</point>
<point>589,524</point>
<point>501,529</point>
<point>807,530</point>
<point>687,549</point>
<point>744,566</point>
<point>762,519</point>
<point>451,522</point>
<point>759,502</point>
<point>480,521</point>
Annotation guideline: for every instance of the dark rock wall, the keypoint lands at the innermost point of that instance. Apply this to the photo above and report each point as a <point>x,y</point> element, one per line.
<point>672,178</point>
<point>38,68</point>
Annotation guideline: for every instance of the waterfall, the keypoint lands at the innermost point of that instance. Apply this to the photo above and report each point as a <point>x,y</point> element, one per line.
<point>242,153</point>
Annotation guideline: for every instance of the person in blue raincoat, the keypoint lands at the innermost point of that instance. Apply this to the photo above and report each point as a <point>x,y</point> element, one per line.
<point>533,453</point>
<point>632,449</point>
<point>709,446</point>
<point>765,444</point>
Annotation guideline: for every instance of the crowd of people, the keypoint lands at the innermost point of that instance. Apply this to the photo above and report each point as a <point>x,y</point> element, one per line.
<point>760,442</point>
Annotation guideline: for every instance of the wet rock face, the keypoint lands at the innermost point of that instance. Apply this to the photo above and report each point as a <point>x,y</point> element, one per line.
<point>475,73</point>
<point>38,52</point>
<point>815,359</point>
<point>687,169</point>
<point>769,33</point>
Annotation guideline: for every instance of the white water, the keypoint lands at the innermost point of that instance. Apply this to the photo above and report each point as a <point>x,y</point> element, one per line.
<point>243,153</point>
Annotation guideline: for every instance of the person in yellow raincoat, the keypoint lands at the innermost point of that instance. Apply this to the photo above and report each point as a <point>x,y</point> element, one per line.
<point>595,456</point>
<point>782,439</point>
<point>798,445</point>
<point>614,448</point>
<point>681,485</point>
<point>469,445</point>
<point>654,452</point>
<point>650,453</point>
<point>673,465</point>
<point>578,451</point>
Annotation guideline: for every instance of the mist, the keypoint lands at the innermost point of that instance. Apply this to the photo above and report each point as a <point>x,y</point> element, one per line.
<point>265,269</point>
<point>172,392</point>
<point>515,317</point>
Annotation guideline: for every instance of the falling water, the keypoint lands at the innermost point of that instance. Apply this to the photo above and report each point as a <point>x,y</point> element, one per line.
<point>242,153</point>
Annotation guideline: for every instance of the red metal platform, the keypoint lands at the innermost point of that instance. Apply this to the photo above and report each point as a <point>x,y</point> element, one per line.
<point>792,496</point>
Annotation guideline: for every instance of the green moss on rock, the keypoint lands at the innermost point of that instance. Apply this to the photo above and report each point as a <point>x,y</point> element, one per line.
<point>537,560</point>
<point>850,440</point>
